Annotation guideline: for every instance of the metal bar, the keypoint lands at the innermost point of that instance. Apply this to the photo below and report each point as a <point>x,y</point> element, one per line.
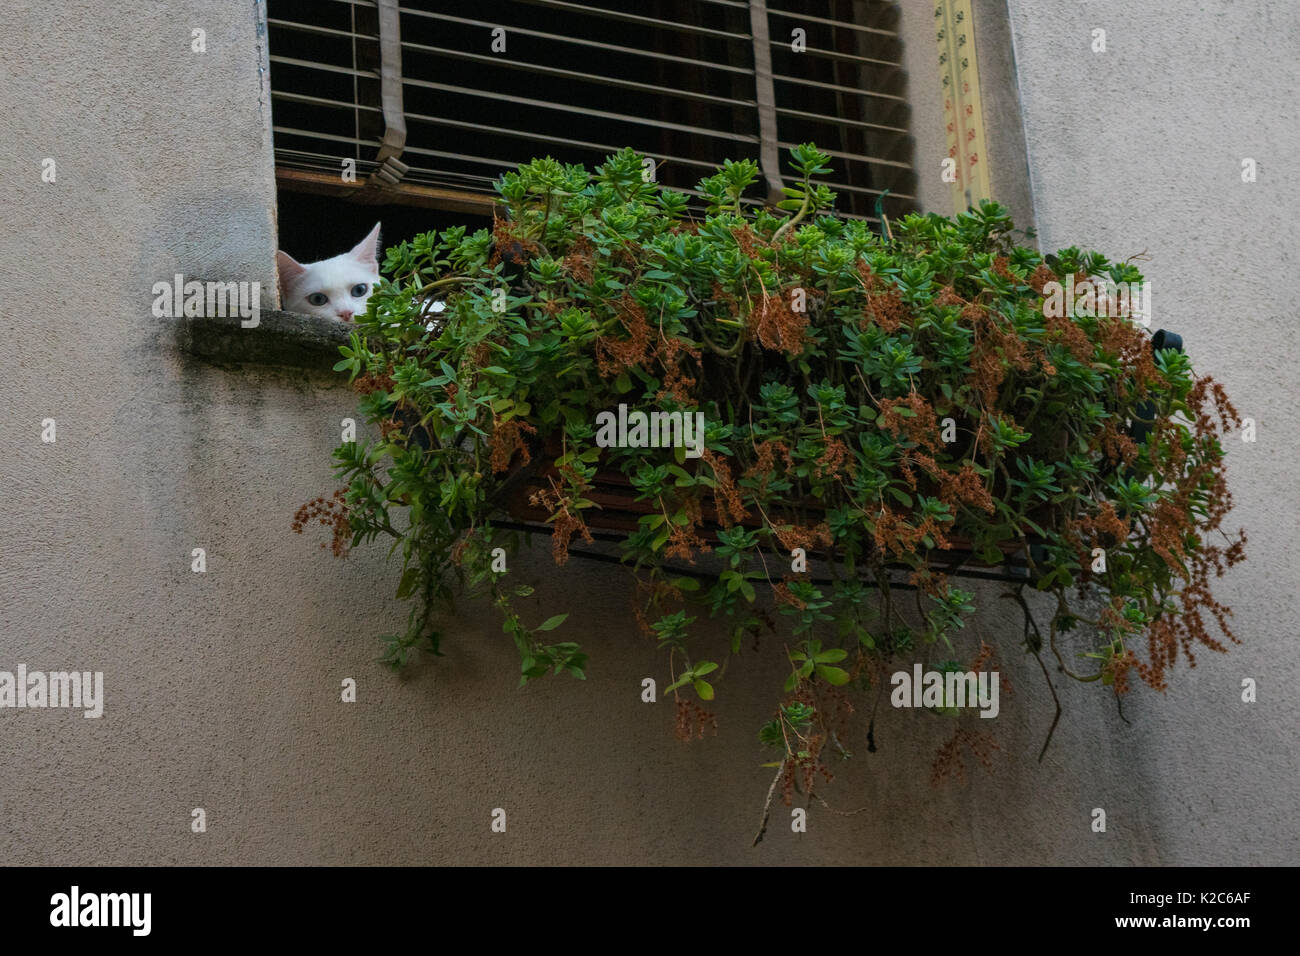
<point>313,134</point>
<point>501,164</point>
<point>424,187</point>
<point>865,190</point>
<point>836,88</point>
<point>559,140</point>
<point>575,75</point>
<point>959,571</point>
<point>542,137</point>
<point>322,101</point>
<point>861,158</point>
<point>830,23</point>
<point>498,130</point>
<point>506,164</point>
<point>839,121</point>
<point>636,18</point>
<point>848,57</point>
<point>745,201</point>
<point>285,155</point>
<point>311,28</point>
<point>583,110</point>
<point>593,44</point>
<point>321,165</point>
<point>327,67</point>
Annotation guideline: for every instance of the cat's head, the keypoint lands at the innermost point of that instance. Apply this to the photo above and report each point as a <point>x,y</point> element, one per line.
<point>332,288</point>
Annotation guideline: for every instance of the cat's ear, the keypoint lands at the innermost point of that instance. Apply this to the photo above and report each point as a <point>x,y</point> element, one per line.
<point>367,250</point>
<point>290,268</point>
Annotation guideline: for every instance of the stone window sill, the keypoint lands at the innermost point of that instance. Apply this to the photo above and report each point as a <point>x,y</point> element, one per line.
<point>280,338</point>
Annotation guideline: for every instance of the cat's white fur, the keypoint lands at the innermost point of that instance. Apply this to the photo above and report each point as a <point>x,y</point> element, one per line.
<point>337,280</point>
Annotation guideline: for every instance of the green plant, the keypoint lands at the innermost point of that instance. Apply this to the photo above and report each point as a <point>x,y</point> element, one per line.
<point>873,406</point>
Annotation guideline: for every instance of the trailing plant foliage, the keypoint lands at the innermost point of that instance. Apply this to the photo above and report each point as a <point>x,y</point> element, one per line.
<point>887,405</point>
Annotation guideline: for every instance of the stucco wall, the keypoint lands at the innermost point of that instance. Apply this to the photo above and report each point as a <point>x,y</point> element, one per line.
<point>223,688</point>
<point>1140,148</point>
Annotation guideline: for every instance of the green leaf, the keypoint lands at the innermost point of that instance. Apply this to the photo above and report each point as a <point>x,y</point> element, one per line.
<point>832,675</point>
<point>677,683</point>
<point>551,623</point>
<point>704,689</point>
<point>408,582</point>
<point>902,497</point>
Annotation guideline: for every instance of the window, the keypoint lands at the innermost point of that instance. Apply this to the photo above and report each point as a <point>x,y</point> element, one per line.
<point>687,82</point>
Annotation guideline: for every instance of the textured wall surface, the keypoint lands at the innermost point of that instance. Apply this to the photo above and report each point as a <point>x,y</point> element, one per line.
<point>223,688</point>
<point>1140,148</point>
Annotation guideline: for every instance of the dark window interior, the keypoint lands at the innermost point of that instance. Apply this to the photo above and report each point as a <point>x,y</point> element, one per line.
<point>315,226</point>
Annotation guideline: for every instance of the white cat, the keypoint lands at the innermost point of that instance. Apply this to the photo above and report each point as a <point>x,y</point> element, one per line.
<point>332,288</point>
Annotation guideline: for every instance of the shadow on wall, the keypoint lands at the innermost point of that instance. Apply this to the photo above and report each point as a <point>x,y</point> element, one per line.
<point>223,236</point>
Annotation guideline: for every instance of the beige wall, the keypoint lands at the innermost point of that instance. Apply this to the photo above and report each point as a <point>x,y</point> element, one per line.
<point>223,688</point>
<point>1140,149</point>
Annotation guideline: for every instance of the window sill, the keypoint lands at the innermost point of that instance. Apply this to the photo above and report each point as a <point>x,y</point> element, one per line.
<point>280,338</point>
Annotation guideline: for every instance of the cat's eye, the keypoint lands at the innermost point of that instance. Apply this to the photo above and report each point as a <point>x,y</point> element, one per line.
<point>318,298</point>
<point>360,289</point>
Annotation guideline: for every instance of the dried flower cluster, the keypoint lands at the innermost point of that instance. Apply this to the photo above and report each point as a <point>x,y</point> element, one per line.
<point>331,512</point>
